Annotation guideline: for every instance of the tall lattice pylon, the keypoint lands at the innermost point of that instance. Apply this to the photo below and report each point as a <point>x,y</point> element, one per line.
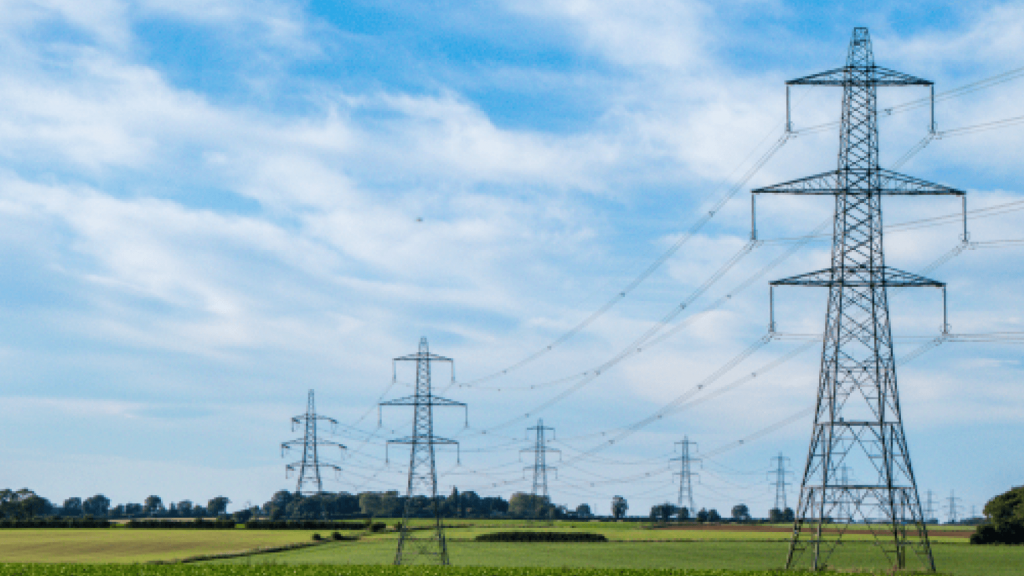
<point>858,417</point>
<point>929,507</point>
<point>686,474</point>
<point>309,481</point>
<point>540,462</point>
<point>953,508</point>
<point>426,547</point>
<point>781,475</point>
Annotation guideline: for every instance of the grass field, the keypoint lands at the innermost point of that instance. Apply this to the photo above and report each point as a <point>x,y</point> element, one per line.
<point>952,559</point>
<point>631,545</point>
<point>138,545</point>
<point>635,531</point>
<point>329,570</point>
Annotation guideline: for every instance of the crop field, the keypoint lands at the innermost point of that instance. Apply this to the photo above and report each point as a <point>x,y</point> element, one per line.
<point>631,546</point>
<point>643,532</point>
<point>324,570</point>
<point>134,545</point>
<point>952,559</point>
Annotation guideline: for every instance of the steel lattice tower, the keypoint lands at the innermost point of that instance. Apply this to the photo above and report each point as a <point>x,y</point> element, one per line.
<point>686,474</point>
<point>310,465</point>
<point>780,474</point>
<point>540,462</point>
<point>858,417</point>
<point>929,507</point>
<point>426,548</point>
<point>953,508</point>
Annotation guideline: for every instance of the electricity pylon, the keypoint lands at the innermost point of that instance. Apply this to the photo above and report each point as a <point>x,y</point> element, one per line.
<point>686,474</point>
<point>425,548</point>
<point>929,507</point>
<point>845,504</point>
<point>953,508</point>
<point>310,465</point>
<point>858,417</point>
<point>780,474</point>
<point>540,462</point>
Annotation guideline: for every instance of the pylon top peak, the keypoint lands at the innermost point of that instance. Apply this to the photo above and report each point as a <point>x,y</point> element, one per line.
<point>423,345</point>
<point>860,49</point>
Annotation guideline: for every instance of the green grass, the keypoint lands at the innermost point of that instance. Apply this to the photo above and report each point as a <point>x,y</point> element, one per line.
<point>634,531</point>
<point>952,559</point>
<point>325,570</point>
<point>133,545</point>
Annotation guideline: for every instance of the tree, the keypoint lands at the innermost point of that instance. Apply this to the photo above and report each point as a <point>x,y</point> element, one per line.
<point>185,508</point>
<point>788,515</point>
<point>702,516</point>
<point>663,512</point>
<point>453,505</point>
<point>713,516</point>
<point>1005,514</point>
<point>33,506</point>
<point>523,505</point>
<point>152,506</point>
<point>242,516</point>
<point>217,506</point>
<point>775,516</point>
<point>583,511</point>
<point>133,510</point>
<point>741,513</point>
<point>619,507</point>
<point>683,514</point>
<point>72,507</point>
<point>98,506</point>
<point>23,503</point>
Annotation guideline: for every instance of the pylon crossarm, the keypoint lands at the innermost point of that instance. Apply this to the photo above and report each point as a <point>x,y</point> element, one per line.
<point>860,76</point>
<point>887,276</point>
<point>830,183</point>
<point>285,446</point>
<point>422,356</point>
<point>894,183</point>
<point>825,183</point>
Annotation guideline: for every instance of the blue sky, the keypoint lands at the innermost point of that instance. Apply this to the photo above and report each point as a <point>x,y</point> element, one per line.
<point>208,208</point>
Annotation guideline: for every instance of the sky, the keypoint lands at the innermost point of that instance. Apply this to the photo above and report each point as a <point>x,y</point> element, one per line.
<point>208,208</point>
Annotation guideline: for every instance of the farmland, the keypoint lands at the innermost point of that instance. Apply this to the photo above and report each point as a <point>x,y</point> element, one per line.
<point>122,545</point>
<point>630,546</point>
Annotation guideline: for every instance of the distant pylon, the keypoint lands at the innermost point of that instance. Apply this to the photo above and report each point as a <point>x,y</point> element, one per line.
<point>858,419</point>
<point>424,547</point>
<point>686,475</point>
<point>780,473</point>
<point>845,502</point>
<point>929,507</point>
<point>309,481</point>
<point>540,463</point>
<point>953,508</point>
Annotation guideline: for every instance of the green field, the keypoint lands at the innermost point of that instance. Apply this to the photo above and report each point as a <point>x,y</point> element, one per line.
<point>133,545</point>
<point>631,545</point>
<point>327,570</point>
<point>953,559</point>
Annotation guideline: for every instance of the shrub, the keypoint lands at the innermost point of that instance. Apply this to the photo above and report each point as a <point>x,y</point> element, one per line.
<point>55,522</point>
<point>316,537</point>
<point>313,525</point>
<point>1006,515</point>
<point>198,523</point>
<point>541,537</point>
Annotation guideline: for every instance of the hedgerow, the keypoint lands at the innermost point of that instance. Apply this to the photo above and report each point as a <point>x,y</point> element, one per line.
<point>541,537</point>
<point>313,525</point>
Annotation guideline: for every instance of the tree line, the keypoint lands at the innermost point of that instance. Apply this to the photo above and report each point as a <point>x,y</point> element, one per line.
<point>24,504</point>
<point>285,505</point>
<point>739,513</point>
